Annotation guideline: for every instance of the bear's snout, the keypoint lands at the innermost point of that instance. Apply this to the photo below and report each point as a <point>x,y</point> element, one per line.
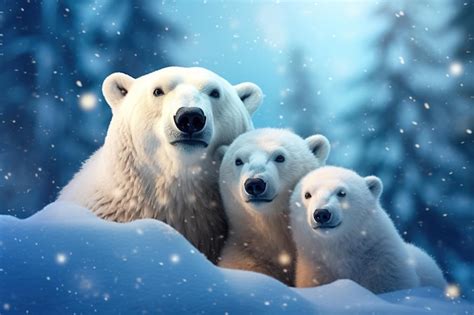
<point>322,216</point>
<point>255,186</point>
<point>190,119</point>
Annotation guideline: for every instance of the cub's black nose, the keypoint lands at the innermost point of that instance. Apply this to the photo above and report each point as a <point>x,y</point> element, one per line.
<point>255,186</point>
<point>322,216</point>
<point>190,119</point>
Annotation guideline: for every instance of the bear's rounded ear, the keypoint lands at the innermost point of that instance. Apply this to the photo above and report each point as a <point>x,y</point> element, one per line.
<point>319,146</point>
<point>116,87</point>
<point>250,94</point>
<point>375,186</point>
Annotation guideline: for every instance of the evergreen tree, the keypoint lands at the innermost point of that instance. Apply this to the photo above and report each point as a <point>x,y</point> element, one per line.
<point>54,58</point>
<point>406,127</point>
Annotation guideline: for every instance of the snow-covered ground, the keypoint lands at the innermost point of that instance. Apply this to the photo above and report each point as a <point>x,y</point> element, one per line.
<point>64,260</point>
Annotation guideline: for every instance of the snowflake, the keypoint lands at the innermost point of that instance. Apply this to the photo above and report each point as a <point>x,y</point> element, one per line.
<point>88,101</point>
<point>284,259</point>
<point>452,291</point>
<point>61,258</point>
<point>175,258</point>
<point>455,69</point>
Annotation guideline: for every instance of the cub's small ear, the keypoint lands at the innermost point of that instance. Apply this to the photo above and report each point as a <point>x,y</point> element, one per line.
<point>375,185</point>
<point>115,87</point>
<point>220,152</point>
<point>319,145</point>
<point>250,94</point>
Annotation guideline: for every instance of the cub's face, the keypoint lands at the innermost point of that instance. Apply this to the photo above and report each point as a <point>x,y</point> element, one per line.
<point>182,113</point>
<point>261,167</point>
<point>335,200</point>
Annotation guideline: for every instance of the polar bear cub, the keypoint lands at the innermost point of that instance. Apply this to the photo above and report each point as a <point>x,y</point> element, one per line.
<point>257,175</point>
<point>341,231</point>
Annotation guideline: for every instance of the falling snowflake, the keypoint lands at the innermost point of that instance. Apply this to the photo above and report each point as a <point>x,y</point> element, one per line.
<point>284,259</point>
<point>175,258</point>
<point>88,101</point>
<point>452,291</point>
<point>455,69</point>
<point>61,258</point>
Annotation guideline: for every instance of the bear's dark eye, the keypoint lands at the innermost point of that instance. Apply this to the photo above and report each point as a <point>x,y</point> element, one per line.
<point>341,193</point>
<point>307,195</point>
<point>238,162</point>
<point>215,93</point>
<point>280,159</point>
<point>158,92</point>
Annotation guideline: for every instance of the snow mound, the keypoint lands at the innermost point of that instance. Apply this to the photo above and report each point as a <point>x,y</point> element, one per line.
<point>65,260</point>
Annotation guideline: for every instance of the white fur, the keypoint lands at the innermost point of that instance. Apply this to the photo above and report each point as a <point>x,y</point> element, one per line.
<point>138,173</point>
<point>259,236</point>
<point>365,247</point>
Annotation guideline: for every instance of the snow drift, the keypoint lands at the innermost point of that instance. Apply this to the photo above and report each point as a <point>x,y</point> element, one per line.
<point>65,260</point>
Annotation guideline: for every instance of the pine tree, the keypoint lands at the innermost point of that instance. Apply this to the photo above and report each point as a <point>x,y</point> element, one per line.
<point>406,127</point>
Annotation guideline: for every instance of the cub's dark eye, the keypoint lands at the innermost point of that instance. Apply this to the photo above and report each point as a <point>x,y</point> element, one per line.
<point>238,162</point>
<point>215,93</point>
<point>341,193</point>
<point>158,92</point>
<point>280,159</point>
<point>307,195</point>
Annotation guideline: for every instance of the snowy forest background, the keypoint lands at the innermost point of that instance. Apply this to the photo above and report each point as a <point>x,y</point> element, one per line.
<point>390,83</point>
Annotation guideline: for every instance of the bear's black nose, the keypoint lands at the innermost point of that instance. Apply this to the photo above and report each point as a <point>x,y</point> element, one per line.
<point>322,216</point>
<point>255,186</point>
<point>190,119</point>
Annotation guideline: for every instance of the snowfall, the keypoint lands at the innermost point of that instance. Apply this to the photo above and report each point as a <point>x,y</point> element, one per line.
<point>65,260</point>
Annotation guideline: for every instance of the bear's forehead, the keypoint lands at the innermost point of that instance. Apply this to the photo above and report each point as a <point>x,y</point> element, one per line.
<point>259,146</point>
<point>332,178</point>
<point>269,140</point>
<point>179,75</point>
<point>317,183</point>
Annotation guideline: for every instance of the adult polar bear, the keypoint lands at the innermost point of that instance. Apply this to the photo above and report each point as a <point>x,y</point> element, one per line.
<point>158,159</point>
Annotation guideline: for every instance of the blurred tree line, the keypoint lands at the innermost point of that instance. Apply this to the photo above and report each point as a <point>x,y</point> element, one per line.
<point>55,56</point>
<point>411,130</point>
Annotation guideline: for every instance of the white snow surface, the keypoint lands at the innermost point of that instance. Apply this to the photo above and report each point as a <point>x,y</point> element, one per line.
<point>65,260</point>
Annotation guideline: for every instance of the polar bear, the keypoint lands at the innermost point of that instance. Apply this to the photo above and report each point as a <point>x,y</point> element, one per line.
<point>341,231</point>
<point>158,159</point>
<point>258,172</point>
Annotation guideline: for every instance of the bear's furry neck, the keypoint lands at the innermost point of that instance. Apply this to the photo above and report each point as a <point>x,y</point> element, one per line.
<point>180,199</point>
<point>365,254</point>
<point>267,239</point>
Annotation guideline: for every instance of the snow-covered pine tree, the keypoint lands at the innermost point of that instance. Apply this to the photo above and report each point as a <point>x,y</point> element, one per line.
<point>407,124</point>
<point>55,56</point>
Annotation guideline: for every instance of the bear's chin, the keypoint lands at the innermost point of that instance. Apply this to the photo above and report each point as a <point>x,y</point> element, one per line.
<point>190,151</point>
<point>326,229</point>
<point>265,207</point>
<point>259,201</point>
